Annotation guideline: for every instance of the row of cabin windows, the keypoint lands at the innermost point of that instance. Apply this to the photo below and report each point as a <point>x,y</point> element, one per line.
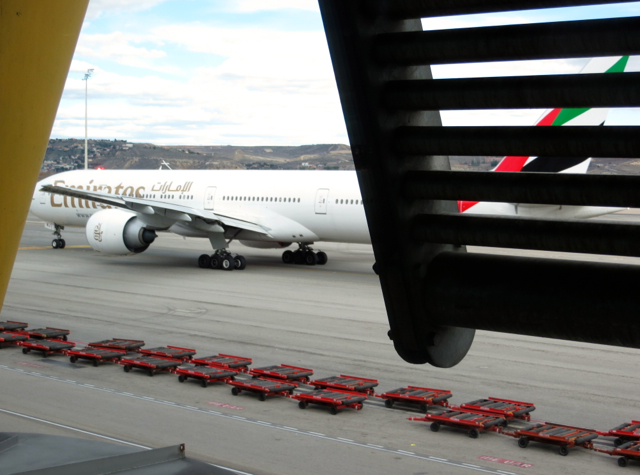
<point>167,197</point>
<point>349,202</point>
<point>260,198</point>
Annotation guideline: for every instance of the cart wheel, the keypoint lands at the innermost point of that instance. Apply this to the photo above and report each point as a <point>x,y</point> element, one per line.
<point>64,338</point>
<point>235,391</point>
<point>95,363</point>
<point>150,372</point>
<point>435,426</point>
<point>291,391</point>
<point>255,376</point>
<point>45,354</point>
<point>474,433</point>
<point>563,451</point>
<point>523,442</point>
<point>203,383</point>
<point>262,396</point>
<point>622,462</point>
<point>388,402</point>
<point>424,408</point>
<point>302,405</point>
<point>127,368</point>
<point>25,350</point>
<point>333,411</point>
<point>618,442</point>
<point>182,378</point>
<point>73,359</point>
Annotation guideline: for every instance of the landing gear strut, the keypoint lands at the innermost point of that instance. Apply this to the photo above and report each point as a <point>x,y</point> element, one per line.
<point>222,259</point>
<point>58,242</point>
<point>304,255</point>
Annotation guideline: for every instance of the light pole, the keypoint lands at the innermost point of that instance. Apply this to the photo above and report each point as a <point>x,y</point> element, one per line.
<point>86,77</point>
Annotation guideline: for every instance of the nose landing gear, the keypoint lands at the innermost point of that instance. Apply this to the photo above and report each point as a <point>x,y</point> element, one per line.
<point>305,255</point>
<point>58,242</point>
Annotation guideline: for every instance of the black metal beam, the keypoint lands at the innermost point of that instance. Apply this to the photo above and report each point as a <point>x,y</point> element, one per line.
<point>570,300</point>
<point>614,142</point>
<point>539,188</point>
<point>542,92</point>
<point>403,9</point>
<point>576,39</point>
<point>589,237</point>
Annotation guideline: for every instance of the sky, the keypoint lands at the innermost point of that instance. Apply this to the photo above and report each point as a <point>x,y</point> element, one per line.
<point>251,72</point>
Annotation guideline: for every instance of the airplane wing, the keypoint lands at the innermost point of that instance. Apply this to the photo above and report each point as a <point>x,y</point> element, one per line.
<point>144,206</point>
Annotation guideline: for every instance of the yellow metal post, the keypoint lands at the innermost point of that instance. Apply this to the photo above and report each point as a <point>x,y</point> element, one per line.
<point>37,41</point>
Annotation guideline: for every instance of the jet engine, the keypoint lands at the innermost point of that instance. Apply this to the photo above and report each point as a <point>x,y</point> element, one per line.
<point>118,232</point>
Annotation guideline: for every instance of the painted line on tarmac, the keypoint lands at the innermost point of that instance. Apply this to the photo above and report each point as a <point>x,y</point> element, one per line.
<point>95,434</point>
<point>33,248</point>
<point>265,424</point>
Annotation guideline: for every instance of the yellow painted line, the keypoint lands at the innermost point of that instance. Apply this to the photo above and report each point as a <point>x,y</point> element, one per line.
<point>79,246</point>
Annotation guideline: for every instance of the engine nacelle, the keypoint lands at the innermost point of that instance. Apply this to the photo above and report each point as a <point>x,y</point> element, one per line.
<point>118,232</point>
<point>265,244</point>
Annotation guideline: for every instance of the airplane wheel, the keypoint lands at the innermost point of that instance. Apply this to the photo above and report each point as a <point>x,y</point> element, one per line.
<point>240,262</point>
<point>204,261</point>
<point>216,261</point>
<point>63,243</point>
<point>322,258</point>
<point>298,257</point>
<point>228,263</point>
<point>310,258</point>
<point>55,244</point>
<point>287,257</point>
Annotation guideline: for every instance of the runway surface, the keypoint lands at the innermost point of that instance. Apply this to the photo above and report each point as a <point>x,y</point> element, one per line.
<point>329,318</point>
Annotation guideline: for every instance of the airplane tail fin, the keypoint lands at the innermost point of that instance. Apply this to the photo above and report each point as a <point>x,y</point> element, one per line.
<point>562,117</point>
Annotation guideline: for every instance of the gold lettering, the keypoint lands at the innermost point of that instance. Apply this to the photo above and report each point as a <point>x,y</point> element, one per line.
<point>128,191</point>
<point>53,195</point>
<point>139,193</point>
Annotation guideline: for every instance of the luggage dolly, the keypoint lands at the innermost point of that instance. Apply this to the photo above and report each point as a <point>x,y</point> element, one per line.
<point>12,338</point>
<point>502,407</point>
<point>47,347</point>
<point>283,372</point>
<point>629,450</point>
<point>12,326</point>
<point>424,397</point>
<point>176,352</point>
<point>150,364</point>
<point>118,344</point>
<point>206,374</point>
<point>555,434</point>
<point>629,431</point>
<point>236,363</point>
<point>348,383</point>
<point>96,355</point>
<point>473,421</point>
<point>334,399</point>
<point>47,333</point>
<point>264,387</point>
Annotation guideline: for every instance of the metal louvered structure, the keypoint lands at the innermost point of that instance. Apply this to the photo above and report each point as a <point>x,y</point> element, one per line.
<point>437,294</point>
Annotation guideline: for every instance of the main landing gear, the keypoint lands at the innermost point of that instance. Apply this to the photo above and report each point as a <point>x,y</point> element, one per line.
<point>304,255</point>
<point>222,259</point>
<point>58,242</point>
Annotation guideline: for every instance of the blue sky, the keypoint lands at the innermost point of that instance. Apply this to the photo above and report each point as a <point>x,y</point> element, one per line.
<point>249,72</point>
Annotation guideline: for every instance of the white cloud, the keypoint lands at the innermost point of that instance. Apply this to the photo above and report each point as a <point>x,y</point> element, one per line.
<point>98,7</point>
<point>260,5</point>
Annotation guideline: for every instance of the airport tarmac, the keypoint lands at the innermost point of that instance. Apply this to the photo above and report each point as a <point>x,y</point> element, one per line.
<point>329,318</point>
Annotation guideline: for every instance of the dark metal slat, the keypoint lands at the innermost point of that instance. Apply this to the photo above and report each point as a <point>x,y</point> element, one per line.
<point>552,298</point>
<point>587,141</point>
<point>539,188</point>
<point>578,91</point>
<point>590,237</point>
<point>576,39</point>
<point>430,8</point>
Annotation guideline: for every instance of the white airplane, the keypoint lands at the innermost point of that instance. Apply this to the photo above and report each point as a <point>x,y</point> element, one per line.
<point>122,210</point>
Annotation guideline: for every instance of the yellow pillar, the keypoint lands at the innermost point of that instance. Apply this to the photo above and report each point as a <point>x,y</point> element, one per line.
<point>37,41</point>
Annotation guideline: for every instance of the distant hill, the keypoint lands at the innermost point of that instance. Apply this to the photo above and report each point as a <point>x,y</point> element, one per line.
<point>68,154</point>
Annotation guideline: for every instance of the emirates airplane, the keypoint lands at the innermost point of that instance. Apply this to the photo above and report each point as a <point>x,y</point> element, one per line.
<point>122,210</point>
